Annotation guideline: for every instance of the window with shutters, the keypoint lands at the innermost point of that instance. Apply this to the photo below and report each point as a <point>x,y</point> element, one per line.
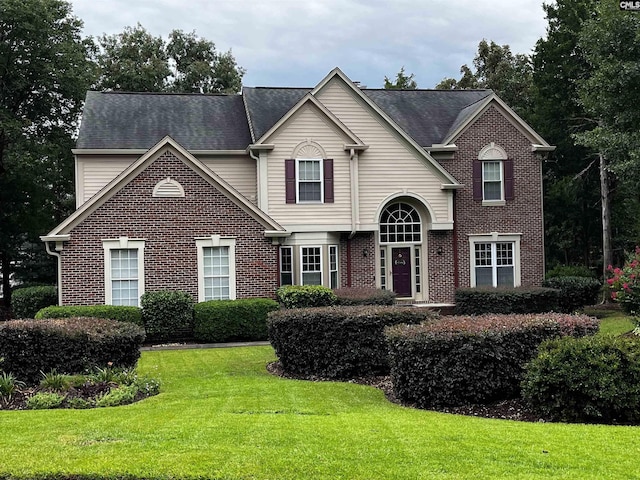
<point>309,180</point>
<point>493,181</point>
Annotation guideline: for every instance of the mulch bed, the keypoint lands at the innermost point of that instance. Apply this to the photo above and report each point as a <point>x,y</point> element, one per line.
<point>514,409</point>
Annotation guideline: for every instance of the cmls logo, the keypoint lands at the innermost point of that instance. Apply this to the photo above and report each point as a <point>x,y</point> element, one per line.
<point>631,6</point>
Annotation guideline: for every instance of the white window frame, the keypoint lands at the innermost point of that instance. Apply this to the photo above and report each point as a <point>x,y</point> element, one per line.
<point>290,272</point>
<point>333,252</point>
<point>299,181</point>
<point>215,241</point>
<point>122,243</point>
<point>495,238</point>
<point>500,180</point>
<point>302,271</point>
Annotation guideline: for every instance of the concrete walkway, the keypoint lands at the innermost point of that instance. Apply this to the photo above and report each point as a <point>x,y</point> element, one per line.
<point>183,346</point>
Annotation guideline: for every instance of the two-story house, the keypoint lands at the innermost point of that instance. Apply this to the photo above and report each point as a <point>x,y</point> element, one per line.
<point>231,196</point>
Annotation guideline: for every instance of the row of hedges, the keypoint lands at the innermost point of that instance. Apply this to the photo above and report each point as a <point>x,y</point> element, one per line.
<point>459,360</point>
<point>305,296</point>
<point>70,345</point>
<point>120,313</point>
<point>337,342</point>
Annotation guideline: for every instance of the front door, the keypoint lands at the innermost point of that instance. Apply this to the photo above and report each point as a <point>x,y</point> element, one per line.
<point>401,271</point>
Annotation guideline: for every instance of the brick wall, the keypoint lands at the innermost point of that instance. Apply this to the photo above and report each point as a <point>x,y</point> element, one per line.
<point>521,215</point>
<point>168,226</point>
<point>362,267</point>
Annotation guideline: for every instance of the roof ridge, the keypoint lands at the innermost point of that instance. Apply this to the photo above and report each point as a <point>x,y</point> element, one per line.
<point>121,92</point>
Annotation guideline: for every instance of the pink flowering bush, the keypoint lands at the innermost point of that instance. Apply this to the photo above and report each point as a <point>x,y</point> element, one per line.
<point>624,284</point>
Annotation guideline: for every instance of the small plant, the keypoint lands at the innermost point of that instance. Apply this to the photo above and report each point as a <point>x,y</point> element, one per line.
<point>54,381</point>
<point>147,386</point>
<point>45,401</point>
<point>9,385</point>
<point>118,396</point>
<point>106,374</point>
<point>78,403</point>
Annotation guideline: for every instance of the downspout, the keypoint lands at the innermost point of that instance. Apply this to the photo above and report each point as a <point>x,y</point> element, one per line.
<point>456,270</point>
<point>353,172</point>
<point>257,159</point>
<point>59,256</point>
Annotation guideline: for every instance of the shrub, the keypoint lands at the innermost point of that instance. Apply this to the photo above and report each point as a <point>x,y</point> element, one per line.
<point>570,271</point>
<point>167,315</point>
<point>462,360</point>
<point>478,301</point>
<point>9,384</point>
<point>121,395</point>
<point>68,345</point>
<point>55,381</point>
<point>575,292</point>
<point>44,401</point>
<point>337,342</point>
<point>624,284</point>
<point>591,379</point>
<point>120,313</point>
<point>227,320</point>
<point>303,296</point>
<point>25,302</point>
<point>364,296</point>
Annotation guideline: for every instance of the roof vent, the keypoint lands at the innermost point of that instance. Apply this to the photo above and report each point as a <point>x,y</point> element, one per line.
<point>168,189</point>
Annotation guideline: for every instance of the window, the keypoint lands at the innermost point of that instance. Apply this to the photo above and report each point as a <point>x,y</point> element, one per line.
<point>311,263</point>
<point>309,180</point>
<point>124,271</point>
<point>418,273</point>
<point>491,181</point>
<point>493,178</point>
<point>383,269</point>
<point>400,223</point>
<point>333,266</point>
<point>286,265</point>
<point>495,261</point>
<point>216,268</point>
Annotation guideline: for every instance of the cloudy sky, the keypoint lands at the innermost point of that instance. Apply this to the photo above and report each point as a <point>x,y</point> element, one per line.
<point>297,42</point>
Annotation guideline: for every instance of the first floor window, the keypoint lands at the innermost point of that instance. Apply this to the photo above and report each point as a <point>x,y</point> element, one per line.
<point>383,269</point>
<point>216,268</point>
<point>124,271</point>
<point>494,264</point>
<point>311,263</point>
<point>286,265</point>
<point>333,266</point>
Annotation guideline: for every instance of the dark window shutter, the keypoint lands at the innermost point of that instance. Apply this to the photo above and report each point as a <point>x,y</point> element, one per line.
<point>477,180</point>
<point>328,180</point>
<point>290,179</point>
<point>508,179</point>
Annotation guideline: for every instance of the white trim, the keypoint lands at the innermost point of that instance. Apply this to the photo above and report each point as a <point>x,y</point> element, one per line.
<point>122,243</point>
<point>493,201</point>
<point>142,151</point>
<point>298,181</point>
<point>337,269</point>
<point>493,238</point>
<point>212,242</point>
<point>290,272</point>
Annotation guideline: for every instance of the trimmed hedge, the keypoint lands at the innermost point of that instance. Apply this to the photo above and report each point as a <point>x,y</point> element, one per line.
<point>228,320</point>
<point>591,379</point>
<point>570,271</point>
<point>575,292</point>
<point>337,342</point>
<point>364,296</point>
<point>304,296</point>
<point>68,345</point>
<point>25,302</point>
<point>167,315</point>
<point>479,301</point>
<point>120,313</point>
<point>464,360</point>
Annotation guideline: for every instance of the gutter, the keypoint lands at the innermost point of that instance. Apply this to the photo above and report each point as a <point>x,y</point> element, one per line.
<point>59,239</point>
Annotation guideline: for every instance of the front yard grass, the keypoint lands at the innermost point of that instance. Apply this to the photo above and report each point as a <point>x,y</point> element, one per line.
<point>221,415</point>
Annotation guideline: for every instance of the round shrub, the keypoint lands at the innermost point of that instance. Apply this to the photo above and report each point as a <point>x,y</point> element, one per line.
<point>303,296</point>
<point>575,292</point>
<point>121,313</point>
<point>67,345</point>
<point>337,342</point>
<point>167,315</point>
<point>25,302</point>
<point>590,379</point>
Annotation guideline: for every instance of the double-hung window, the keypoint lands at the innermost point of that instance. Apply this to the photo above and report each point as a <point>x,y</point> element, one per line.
<point>309,180</point>
<point>216,268</point>
<point>495,262</point>
<point>492,185</point>
<point>493,176</point>
<point>124,271</point>
<point>311,265</point>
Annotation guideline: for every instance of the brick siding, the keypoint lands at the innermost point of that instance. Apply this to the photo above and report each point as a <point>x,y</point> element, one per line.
<point>360,269</point>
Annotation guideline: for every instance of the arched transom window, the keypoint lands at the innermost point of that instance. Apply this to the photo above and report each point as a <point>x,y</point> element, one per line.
<point>400,223</point>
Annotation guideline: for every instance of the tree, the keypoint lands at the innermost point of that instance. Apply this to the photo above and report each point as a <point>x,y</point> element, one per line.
<point>44,75</point>
<point>402,82</point>
<point>135,60</point>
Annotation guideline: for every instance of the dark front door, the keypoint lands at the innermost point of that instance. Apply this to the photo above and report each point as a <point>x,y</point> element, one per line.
<point>401,268</point>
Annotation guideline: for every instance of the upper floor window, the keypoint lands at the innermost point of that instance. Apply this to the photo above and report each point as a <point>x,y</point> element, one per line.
<point>492,181</point>
<point>309,180</point>
<point>493,176</point>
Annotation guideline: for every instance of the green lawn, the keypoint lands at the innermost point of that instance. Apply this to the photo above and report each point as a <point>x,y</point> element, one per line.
<point>221,415</point>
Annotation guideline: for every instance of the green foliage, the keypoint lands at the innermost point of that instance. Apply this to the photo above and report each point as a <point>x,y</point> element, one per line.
<point>9,384</point>
<point>402,82</point>
<point>136,61</point>
<point>337,342</point>
<point>120,313</point>
<point>594,379</point>
<point>69,345</point>
<point>121,395</point>
<point>303,296</point>
<point>575,292</point>
<point>624,284</point>
<point>55,381</point>
<point>364,296</point>
<point>231,320</point>
<point>167,315</point>
<point>26,302</point>
<point>465,360</point>
<point>45,401</point>
<point>477,301</point>
<point>570,271</point>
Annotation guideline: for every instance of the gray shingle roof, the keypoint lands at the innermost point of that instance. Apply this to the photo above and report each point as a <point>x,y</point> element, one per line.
<point>223,122</point>
<point>140,120</point>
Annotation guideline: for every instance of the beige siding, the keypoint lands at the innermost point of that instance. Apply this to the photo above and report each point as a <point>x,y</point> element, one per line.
<point>95,171</point>
<point>309,124</point>
<point>239,171</point>
<point>389,166</point>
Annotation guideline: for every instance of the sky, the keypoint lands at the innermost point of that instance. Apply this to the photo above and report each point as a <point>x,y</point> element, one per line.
<point>295,43</point>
